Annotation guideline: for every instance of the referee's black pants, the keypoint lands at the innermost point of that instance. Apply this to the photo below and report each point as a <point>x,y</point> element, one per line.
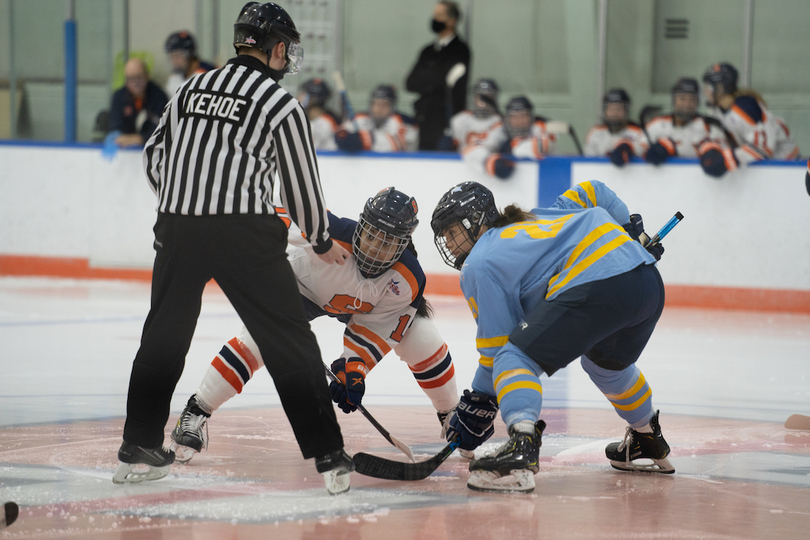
<point>246,255</point>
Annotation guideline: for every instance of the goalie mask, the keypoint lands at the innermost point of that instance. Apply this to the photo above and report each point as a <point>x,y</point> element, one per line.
<point>384,231</point>
<point>458,218</point>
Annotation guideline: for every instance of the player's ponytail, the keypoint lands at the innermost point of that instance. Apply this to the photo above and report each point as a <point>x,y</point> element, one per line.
<point>513,214</point>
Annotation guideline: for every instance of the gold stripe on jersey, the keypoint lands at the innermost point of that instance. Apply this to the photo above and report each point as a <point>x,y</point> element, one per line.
<point>636,404</point>
<point>520,385</point>
<point>587,187</point>
<point>512,373</point>
<point>484,343</point>
<point>486,361</point>
<point>624,395</point>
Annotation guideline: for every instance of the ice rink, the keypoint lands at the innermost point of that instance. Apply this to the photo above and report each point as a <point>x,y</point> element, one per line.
<point>724,382</point>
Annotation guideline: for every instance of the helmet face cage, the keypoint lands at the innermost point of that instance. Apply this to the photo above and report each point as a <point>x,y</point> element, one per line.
<point>719,79</point>
<point>616,95</point>
<point>486,91</point>
<point>384,231</point>
<point>523,107</point>
<point>317,93</point>
<point>468,205</point>
<point>262,26</point>
<point>685,86</point>
<point>181,41</point>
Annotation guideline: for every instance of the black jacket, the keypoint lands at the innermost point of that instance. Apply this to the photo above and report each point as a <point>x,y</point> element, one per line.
<point>123,114</point>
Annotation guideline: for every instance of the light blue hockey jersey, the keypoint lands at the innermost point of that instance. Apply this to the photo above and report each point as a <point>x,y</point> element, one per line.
<point>510,269</point>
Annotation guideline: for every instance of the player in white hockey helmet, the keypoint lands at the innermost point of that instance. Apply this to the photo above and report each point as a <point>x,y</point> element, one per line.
<point>470,126</point>
<point>522,135</point>
<point>681,133</point>
<point>758,134</point>
<point>380,300</point>
<point>382,128</point>
<point>616,137</point>
<point>547,287</point>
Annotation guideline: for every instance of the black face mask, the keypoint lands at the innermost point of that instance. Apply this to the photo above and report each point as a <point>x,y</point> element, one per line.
<point>437,26</point>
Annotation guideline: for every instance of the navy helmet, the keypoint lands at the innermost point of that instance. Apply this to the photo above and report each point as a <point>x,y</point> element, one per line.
<point>317,93</point>
<point>686,85</point>
<point>722,77</point>
<point>181,41</point>
<point>385,91</point>
<point>471,206</point>
<point>516,105</point>
<point>616,95</point>
<point>384,231</point>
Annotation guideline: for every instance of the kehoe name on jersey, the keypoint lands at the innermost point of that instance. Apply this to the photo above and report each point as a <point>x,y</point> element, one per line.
<point>208,104</point>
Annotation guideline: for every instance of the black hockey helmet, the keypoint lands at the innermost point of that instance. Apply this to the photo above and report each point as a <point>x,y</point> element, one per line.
<point>486,91</point>
<point>262,26</point>
<point>616,95</point>
<point>384,231</point>
<point>487,87</point>
<point>690,86</point>
<point>385,91</point>
<point>181,41</point>
<point>722,76</point>
<point>518,104</point>
<point>470,205</point>
<point>317,93</point>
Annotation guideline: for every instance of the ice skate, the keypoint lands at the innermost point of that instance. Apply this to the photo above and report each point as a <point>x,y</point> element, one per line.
<point>157,462</point>
<point>513,467</point>
<point>8,514</point>
<point>335,468</point>
<point>190,435</point>
<point>651,448</point>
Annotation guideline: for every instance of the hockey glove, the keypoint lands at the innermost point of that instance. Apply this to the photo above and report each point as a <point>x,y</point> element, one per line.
<point>500,166</point>
<point>621,154</point>
<point>472,420</point>
<point>716,160</point>
<point>660,151</point>
<point>348,141</point>
<point>352,375</point>
<point>635,228</point>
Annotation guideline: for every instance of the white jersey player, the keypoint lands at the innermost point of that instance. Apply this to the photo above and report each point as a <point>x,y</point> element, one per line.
<point>382,129</point>
<point>522,135</point>
<point>616,137</point>
<point>313,95</point>
<point>758,134</point>
<point>682,132</point>
<point>379,299</point>
<point>471,126</point>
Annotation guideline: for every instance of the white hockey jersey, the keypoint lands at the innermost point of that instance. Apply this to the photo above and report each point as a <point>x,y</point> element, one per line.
<point>467,128</point>
<point>537,145</point>
<point>600,141</point>
<point>686,138</point>
<point>397,134</point>
<point>324,128</point>
<point>759,134</point>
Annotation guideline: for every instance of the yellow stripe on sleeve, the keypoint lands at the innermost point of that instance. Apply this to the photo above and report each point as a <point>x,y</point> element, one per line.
<point>486,361</point>
<point>499,341</point>
<point>574,196</point>
<point>587,187</point>
<point>529,385</point>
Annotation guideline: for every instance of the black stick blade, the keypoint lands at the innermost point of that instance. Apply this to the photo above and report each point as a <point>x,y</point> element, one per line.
<point>377,467</point>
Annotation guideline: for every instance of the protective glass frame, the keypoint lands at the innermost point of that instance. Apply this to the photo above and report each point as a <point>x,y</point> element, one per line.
<point>295,58</point>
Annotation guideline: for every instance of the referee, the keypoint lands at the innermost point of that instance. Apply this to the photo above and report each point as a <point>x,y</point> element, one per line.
<point>211,162</point>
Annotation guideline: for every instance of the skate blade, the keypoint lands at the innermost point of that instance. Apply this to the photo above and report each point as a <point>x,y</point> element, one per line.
<point>336,481</point>
<point>519,481</point>
<point>182,454</point>
<point>660,466</point>
<point>126,473</point>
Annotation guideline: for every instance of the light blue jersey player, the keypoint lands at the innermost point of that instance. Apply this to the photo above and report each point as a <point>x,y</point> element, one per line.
<point>545,288</point>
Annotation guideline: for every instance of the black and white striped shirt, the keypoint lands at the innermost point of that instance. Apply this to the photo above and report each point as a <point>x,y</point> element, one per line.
<point>221,140</point>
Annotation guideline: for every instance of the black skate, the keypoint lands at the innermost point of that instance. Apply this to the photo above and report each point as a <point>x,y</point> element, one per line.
<point>335,468</point>
<point>190,435</point>
<point>8,514</point>
<point>157,461</point>
<point>650,447</point>
<point>513,467</point>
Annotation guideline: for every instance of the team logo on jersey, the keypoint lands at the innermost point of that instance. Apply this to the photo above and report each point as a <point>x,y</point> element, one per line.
<point>393,286</point>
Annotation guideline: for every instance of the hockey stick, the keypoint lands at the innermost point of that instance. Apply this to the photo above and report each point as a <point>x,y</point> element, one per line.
<point>401,446</point>
<point>656,239</point>
<point>798,421</point>
<point>340,86</point>
<point>378,467</point>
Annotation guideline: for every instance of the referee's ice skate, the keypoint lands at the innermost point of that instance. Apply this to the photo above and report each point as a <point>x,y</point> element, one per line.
<point>335,468</point>
<point>650,448</point>
<point>157,462</point>
<point>190,435</point>
<point>513,467</point>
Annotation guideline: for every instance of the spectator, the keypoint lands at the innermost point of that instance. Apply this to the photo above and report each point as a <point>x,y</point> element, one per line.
<point>470,126</point>
<point>616,137</point>
<point>136,107</point>
<point>313,95</point>
<point>381,129</point>
<point>440,77</point>
<point>758,134</point>
<point>182,51</point>
<point>522,135</point>
<point>682,132</point>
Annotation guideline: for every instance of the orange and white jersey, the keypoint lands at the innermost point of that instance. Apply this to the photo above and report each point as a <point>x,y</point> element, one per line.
<point>467,128</point>
<point>687,138</point>
<point>397,134</point>
<point>759,133</point>
<point>600,141</point>
<point>324,128</point>
<point>537,145</point>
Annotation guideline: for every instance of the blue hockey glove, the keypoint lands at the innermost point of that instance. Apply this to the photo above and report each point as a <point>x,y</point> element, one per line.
<point>621,154</point>
<point>472,420</point>
<point>352,375</point>
<point>659,153</point>
<point>348,141</point>
<point>500,166</point>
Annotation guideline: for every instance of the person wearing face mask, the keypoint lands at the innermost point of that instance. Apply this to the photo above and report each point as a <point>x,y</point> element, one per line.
<point>136,107</point>
<point>616,137</point>
<point>440,76</point>
<point>681,133</point>
<point>470,126</point>
<point>382,128</point>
